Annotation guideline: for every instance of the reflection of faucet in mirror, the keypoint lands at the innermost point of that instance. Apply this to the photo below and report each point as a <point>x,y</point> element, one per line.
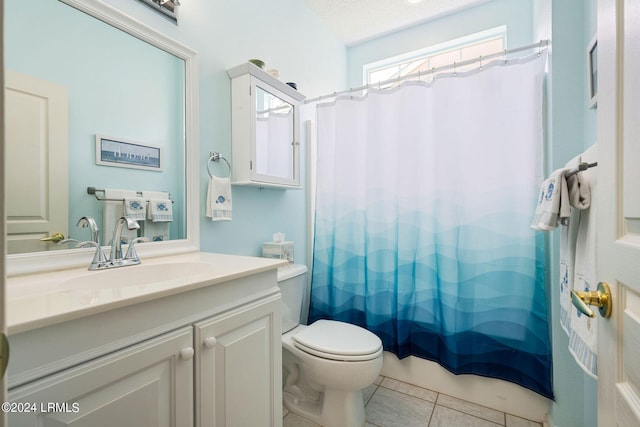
<point>87,221</point>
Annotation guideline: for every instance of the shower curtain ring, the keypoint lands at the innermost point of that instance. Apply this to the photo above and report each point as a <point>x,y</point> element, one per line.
<point>506,57</point>
<point>480,59</point>
<point>455,73</point>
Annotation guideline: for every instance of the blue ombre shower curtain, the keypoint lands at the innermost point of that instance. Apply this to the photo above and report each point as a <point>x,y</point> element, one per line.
<point>425,196</point>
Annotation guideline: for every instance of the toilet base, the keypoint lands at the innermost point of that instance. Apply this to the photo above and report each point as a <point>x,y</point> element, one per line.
<point>335,408</point>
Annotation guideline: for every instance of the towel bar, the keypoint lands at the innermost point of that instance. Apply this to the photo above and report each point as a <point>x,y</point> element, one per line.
<point>581,167</point>
<point>94,190</point>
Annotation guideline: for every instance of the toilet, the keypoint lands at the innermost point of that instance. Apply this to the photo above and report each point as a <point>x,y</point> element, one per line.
<point>327,364</point>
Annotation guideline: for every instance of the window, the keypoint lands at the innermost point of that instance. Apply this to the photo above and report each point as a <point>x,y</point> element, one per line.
<point>424,60</point>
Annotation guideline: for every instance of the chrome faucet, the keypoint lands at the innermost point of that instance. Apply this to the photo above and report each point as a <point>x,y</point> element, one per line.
<point>100,261</point>
<point>115,256</point>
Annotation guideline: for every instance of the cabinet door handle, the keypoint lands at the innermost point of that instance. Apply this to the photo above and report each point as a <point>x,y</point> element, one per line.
<point>210,342</point>
<point>186,353</point>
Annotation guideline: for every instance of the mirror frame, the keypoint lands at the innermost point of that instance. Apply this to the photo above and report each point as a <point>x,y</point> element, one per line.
<point>37,262</point>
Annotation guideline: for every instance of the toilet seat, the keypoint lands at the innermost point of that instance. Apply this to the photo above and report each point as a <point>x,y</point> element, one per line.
<point>335,340</point>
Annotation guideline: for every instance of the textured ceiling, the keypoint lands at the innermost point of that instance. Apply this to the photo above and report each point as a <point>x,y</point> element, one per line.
<point>354,21</point>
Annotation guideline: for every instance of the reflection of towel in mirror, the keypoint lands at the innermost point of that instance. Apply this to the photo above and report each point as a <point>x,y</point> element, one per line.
<point>218,206</point>
<point>159,215</point>
<point>135,208</point>
<point>112,209</point>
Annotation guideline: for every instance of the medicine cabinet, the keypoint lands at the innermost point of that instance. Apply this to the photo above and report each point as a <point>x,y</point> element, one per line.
<point>264,125</point>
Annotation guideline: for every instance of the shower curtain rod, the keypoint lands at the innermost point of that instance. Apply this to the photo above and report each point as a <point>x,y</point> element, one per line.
<point>540,45</point>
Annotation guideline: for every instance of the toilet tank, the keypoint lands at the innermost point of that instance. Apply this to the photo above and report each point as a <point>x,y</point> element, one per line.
<point>292,281</point>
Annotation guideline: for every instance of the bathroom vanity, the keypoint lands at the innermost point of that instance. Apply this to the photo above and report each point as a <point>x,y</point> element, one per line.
<point>191,339</point>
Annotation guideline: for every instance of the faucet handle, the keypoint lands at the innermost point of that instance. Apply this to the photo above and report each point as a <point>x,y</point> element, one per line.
<point>99,258</point>
<point>131,250</point>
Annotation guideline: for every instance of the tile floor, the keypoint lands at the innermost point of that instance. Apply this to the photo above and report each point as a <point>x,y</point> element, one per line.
<point>391,403</point>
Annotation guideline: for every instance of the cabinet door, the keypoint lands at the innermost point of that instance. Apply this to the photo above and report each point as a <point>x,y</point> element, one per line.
<point>149,384</point>
<point>239,367</point>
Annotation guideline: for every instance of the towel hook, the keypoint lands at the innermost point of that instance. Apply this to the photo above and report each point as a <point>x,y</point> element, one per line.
<point>214,157</point>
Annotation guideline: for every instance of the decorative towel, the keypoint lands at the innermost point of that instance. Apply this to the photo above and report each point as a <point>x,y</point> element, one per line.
<point>568,237</point>
<point>583,332</point>
<point>160,210</point>
<point>136,208</point>
<point>553,204</point>
<point>578,185</point>
<point>112,209</point>
<point>579,198</point>
<point>159,215</point>
<point>219,199</point>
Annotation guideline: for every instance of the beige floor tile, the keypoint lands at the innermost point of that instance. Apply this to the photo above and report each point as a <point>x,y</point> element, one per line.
<point>471,409</point>
<point>447,417</point>
<point>389,408</point>
<point>409,389</point>
<point>368,392</point>
<point>293,420</point>
<point>513,421</point>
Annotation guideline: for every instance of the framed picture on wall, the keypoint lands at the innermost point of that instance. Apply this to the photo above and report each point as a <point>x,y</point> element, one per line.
<point>592,72</point>
<point>127,154</point>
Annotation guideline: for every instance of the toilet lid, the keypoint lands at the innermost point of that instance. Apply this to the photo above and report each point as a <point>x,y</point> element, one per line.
<point>338,341</point>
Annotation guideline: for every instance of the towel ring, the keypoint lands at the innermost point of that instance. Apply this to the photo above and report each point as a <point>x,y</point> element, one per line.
<point>215,156</point>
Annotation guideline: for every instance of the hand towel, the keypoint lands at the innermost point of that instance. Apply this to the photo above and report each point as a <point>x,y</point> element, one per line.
<point>553,203</point>
<point>568,236</point>
<point>112,209</point>
<point>583,333</point>
<point>579,188</point>
<point>159,216</point>
<point>218,206</point>
<point>136,208</point>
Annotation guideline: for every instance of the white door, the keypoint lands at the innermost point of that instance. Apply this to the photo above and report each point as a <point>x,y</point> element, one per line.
<point>3,327</point>
<point>36,119</point>
<point>619,210</point>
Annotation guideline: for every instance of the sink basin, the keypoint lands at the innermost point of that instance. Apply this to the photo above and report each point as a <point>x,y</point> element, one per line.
<point>141,275</point>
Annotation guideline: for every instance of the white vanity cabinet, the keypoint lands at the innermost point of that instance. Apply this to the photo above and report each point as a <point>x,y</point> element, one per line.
<point>264,126</point>
<point>150,384</point>
<point>238,368</point>
<point>200,350</point>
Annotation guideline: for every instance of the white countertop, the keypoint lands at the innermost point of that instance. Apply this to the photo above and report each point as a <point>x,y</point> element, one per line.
<point>39,300</point>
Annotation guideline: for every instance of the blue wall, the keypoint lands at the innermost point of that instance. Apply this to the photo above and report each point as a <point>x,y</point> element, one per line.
<point>572,129</point>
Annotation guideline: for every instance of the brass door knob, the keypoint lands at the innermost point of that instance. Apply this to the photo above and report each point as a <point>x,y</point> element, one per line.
<point>600,298</point>
<point>55,238</point>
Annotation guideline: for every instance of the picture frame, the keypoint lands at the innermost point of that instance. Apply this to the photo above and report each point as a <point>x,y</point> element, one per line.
<point>592,72</point>
<point>122,153</point>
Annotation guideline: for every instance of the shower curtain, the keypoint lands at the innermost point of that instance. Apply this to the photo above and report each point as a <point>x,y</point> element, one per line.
<point>425,195</point>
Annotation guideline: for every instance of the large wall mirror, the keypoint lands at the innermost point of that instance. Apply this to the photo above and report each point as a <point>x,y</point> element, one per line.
<point>101,73</point>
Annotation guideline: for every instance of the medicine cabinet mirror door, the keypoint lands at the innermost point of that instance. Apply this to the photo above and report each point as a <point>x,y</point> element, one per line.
<point>275,151</point>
